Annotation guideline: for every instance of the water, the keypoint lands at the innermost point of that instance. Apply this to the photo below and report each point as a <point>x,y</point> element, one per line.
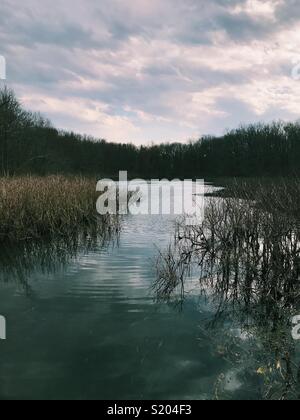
<point>92,330</point>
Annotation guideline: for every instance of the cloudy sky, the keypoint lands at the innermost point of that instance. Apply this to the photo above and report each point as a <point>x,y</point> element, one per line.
<point>154,70</point>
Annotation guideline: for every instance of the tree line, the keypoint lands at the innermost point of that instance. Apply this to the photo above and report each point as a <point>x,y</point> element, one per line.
<point>30,144</point>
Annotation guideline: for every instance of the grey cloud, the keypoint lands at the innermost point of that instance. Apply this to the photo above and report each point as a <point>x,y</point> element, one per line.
<point>67,35</point>
<point>242,28</point>
<point>288,12</point>
<point>240,113</point>
<point>27,28</point>
<point>48,55</point>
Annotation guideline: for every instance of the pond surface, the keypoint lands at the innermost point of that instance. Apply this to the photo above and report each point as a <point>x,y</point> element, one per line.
<point>92,330</point>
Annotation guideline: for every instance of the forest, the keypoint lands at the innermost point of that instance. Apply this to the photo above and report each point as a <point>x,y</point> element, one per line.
<point>30,144</point>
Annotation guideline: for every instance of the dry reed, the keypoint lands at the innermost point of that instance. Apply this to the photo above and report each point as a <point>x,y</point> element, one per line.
<point>34,207</point>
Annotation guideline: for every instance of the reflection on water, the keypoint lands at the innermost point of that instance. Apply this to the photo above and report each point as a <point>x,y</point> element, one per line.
<point>82,323</point>
<point>246,262</point>
<point>19,261</point>
<point>92,330</point>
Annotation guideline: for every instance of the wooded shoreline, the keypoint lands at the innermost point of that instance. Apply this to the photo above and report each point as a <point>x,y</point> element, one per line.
<point>30,144</point>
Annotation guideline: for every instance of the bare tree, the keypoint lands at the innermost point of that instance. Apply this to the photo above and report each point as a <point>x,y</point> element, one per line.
<point>11,115</point>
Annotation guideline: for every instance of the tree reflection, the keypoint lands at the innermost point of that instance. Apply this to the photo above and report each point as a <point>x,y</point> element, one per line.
<point>18,262</point>
<point>247,262</point>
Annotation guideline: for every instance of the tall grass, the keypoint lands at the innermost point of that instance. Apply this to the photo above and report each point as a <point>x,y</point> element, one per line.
<point>32,208</point>
<point>272,194</point>
<point>248,245</point>
<point>246,254</point>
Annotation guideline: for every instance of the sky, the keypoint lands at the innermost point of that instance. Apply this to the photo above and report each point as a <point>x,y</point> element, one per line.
<point>147,71</point>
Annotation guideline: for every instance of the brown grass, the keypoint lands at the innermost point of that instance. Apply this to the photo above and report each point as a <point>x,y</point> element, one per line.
<point>54,206</point>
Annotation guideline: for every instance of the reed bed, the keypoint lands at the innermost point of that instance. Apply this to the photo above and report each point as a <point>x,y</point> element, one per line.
<point>247,246</point>
<point>272,194</point>
<point>246,255</point>
<point>33,208</point>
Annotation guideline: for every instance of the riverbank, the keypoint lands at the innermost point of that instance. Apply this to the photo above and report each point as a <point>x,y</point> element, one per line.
<point>34,208</point>
<point>272,194</point>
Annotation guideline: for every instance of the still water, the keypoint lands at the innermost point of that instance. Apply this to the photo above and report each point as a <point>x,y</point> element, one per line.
<point>91,329</point>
